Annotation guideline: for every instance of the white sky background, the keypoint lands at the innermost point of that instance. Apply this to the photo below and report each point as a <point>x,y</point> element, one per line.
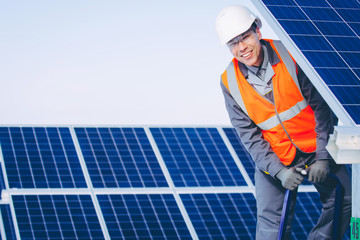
<point>113,62</point>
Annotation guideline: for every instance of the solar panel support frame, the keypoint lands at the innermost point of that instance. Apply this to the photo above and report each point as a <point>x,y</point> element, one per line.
<point>2,228</point>
<point>3,169</point>
<point>344,145</point>
<point>14,219</point>
<point>314,77</point>
<point>355,193</point>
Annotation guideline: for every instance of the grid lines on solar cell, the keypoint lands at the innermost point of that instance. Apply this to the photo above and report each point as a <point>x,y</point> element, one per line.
<point>327,33</point>
<point>197,157</point>
<point>143,216</point>
<point>2,182</point>
<point>56,217</point>
<point>40,158</point>
<point>7,221</point>
<point>120,157</point>
<point>241,152</point>
<point>222,216</point>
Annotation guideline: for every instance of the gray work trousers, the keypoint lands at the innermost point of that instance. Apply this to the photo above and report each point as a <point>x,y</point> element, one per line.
<point>270,197</point>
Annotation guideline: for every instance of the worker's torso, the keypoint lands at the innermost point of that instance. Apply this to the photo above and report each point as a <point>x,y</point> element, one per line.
<point>288,121</point>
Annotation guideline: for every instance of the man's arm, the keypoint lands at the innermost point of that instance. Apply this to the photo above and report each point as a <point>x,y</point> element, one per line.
<point>251,137</point>
<point>324,119</point>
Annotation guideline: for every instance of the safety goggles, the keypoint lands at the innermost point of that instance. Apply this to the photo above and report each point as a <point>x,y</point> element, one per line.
<point>242,38</point>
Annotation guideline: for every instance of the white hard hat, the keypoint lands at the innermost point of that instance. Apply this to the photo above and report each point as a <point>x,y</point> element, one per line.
<point>233,21</point>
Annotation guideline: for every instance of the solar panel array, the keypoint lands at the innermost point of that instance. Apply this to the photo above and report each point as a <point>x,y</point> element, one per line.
<point>131,183</point>
<point>323,37</point>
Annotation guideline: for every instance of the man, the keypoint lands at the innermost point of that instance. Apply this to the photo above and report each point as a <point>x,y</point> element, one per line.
<point>282,121</point>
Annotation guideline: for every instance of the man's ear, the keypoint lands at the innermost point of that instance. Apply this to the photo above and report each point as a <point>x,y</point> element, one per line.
<point>258,33</point>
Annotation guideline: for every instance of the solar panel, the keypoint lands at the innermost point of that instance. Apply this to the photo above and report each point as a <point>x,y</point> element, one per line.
<point>197,157</point>
<point>120,157</point>
<point>2,182</point>
<point>323,37</point>
<point>40,158</point>
<point>241,152</point>
<point>56,217</point>
<point>9,231</point>
<point>222,216</point>
<point>131,183</point>
<point>143,216</point>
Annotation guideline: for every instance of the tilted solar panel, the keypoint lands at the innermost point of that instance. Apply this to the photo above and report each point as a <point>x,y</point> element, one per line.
<point>40,158</point>
<point>242,153</point>
<point>140,183</point>
<point>56,217</point>
<point>323,37</point>
<point>197,157</point>
<point>222,216</point>
<point>7,222</point>
<point>143,216</point>
<point>2,181</point>
<point>120,157</point>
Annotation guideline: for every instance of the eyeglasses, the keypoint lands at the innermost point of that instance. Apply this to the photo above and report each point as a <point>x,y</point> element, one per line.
<point>243,38</point>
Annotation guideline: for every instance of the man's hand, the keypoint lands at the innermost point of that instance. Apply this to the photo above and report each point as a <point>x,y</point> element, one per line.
<point>290,178</point>
<point>319,170</point>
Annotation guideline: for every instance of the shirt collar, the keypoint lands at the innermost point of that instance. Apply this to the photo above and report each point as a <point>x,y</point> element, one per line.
<point>264,63</point>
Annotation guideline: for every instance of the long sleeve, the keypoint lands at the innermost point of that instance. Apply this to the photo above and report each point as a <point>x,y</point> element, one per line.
<point>251,137</point>
<point>324,117</point>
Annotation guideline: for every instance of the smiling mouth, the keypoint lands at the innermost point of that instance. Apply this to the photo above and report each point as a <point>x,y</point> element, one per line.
<point>246,54</point>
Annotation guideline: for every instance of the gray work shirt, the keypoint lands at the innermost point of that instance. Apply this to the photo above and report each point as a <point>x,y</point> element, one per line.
<point>251,135</point>
<point>260,77</point>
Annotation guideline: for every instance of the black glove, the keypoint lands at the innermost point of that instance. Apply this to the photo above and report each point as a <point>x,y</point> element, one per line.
<point>319,170</point>
<point>290,178</point>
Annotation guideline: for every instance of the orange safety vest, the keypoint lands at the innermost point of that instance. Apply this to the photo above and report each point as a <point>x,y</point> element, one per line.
<point>287,124</point>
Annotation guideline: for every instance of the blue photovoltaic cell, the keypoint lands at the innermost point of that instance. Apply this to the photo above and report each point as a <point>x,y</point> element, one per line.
<point>222,216</point>
<point>143,216</point>
<point>120,157</point>
<point>40,158</point>
<point>7,221</point>
<point>197,157</point>
<point>241,152</point>
<point>123,157</point>
<point>56,217</point>
<point>2,183</point>
<point>327,33</point>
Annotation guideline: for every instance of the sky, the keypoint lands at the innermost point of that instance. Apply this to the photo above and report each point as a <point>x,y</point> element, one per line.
<point>113,62</point>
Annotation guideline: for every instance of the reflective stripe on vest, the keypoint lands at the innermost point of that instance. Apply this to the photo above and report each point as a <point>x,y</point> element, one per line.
<point>284,116</point>
<point>233,86</point>
<point>288,61</point>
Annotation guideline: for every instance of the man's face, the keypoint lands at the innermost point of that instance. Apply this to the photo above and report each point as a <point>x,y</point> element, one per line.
<point>246,47</point>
